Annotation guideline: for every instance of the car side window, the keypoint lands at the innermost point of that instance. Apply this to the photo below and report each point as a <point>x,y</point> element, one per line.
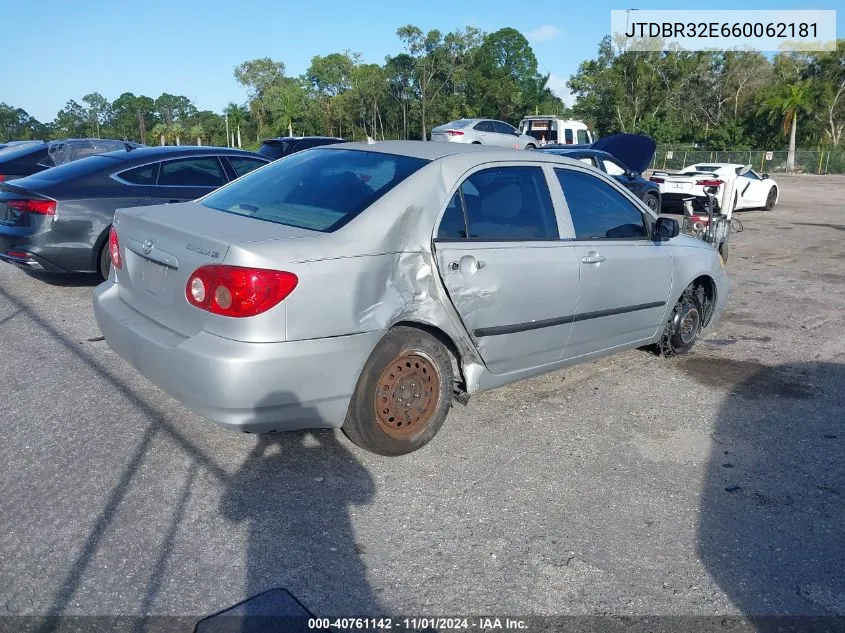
<point>567,136</point>
<point>503,128</point>
<point>453,223</point>
<point>143,175</point>
<point>597,210</point>
<point>509,203</point>
<point>613,168</point>
<point>751,175</point>
<point>484,126</point>
<point>192,172</point>
<point>243,165</point>
<point>583,139</point>
<point>589,160</point>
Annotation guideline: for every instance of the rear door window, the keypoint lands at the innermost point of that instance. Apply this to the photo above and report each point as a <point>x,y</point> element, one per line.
<point>485,126</point>
<point>143,175</point>
<point>612,167</point>
<point>504,203</point>
<point>567,136</point>
<point>243,165</point>
<point>597,210</point>
<point>320,190</point>
<point>503,128</point>
<point>204,171</point>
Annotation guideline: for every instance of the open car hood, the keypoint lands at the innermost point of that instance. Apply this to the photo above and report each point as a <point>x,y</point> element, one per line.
<point>634,150</point>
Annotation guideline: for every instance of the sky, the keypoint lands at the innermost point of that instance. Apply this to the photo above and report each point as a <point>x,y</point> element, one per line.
<point>63,50</point>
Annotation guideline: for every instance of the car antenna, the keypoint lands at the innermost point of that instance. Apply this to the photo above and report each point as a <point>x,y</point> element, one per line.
<point>129,147</point>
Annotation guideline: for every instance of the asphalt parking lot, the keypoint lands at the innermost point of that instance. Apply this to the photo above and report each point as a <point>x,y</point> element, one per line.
<point>710,484</point>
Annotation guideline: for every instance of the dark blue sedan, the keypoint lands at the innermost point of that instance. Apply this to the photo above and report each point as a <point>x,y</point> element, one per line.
<point>623,156</point>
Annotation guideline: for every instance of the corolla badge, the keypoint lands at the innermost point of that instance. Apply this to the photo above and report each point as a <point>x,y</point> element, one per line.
<point>147,246</point>
<point>203,251</point>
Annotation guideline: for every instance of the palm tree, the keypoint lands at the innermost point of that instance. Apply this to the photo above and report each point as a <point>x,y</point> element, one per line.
<point>198,132</point>
<point>161,130</point>
<point>237,115</point>
<point>176,130</point>
<point>788,102</point>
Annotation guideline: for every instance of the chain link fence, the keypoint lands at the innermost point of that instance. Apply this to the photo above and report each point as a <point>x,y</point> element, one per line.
<point>806,161</point>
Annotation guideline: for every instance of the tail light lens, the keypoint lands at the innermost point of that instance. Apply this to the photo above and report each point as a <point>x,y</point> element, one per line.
<point>234,291</point>
<point>657,180</point>
<point>708,183</point>
<point>454,132</point>
<point>114,249</point>
<point>41,207</point>
<point>2,177</point>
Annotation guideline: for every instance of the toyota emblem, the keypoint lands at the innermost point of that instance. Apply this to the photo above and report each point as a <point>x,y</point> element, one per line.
<point>147,247</point>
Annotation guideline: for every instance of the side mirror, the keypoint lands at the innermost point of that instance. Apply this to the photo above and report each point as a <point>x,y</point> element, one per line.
<point>632,175</point>
<point>764,176</point>
<point>666,228</point>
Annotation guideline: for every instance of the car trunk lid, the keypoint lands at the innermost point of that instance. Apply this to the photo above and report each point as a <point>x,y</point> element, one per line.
<point>163,245</point>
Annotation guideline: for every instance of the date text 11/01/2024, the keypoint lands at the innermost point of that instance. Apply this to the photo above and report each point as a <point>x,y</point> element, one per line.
<point>416,624</point>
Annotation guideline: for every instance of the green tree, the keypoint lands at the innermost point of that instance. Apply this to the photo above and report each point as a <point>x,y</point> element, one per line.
<point>98,111</point>
<point>237,115</point>
<point>788,101</point>
<point>71,121</point>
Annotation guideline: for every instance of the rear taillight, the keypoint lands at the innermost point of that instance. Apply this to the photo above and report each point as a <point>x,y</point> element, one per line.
<point>2,177</point>
<point>234,291</point>
<point>454,132</point>
<point>656,179</point>
<point>114,249</point>
<point>41,207</point>
<point>708,183</point>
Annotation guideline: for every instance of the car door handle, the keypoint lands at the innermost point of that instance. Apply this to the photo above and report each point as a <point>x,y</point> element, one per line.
<point>467,263</point>
<point>592,258</point>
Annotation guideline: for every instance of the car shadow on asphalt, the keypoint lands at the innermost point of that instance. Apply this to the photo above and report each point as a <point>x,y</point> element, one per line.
<point>71,280</point>
<point>772,512</point>
<point>295,491</point>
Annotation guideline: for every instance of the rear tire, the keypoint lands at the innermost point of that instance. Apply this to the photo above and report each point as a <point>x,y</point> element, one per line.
<point>403,394</point>
<point>724,250</point>
<point>771,199</point>
<point>530,147</point>
<point>104,262</point>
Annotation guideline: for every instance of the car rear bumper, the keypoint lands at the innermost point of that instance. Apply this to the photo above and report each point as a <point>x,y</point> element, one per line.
<point>255,387</point>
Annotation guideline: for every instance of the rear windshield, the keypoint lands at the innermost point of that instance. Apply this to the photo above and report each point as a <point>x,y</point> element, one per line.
<point>318,189</point>
<point>12,152</point>
<point>274,149</point>
<point>77,168</point>
<point>459,123</point>
<point>705,167</point>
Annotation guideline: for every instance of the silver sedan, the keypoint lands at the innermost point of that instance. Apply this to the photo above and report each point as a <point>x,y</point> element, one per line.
<point>370,286</point>
<point>483,132</point>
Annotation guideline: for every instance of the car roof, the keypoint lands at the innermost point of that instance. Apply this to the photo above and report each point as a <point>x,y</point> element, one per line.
<point>170,151</point>
<point>432,150</point>
<point>577,151</point>
<point>280,139</point>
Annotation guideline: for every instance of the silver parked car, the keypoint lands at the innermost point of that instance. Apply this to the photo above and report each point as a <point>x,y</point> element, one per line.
<point>368,286</point>
<point>483,132</point>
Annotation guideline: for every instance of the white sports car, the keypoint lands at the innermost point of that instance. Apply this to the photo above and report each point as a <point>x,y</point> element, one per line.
<point>739,186</point>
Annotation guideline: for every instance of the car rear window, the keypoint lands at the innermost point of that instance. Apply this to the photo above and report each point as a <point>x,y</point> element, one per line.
<point>273,149</point>
<point>77,168</point>
<point>319,189</point>
<point>458,124</point>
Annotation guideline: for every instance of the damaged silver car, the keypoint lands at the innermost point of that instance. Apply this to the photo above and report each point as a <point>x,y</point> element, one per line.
<point>370,286</point>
